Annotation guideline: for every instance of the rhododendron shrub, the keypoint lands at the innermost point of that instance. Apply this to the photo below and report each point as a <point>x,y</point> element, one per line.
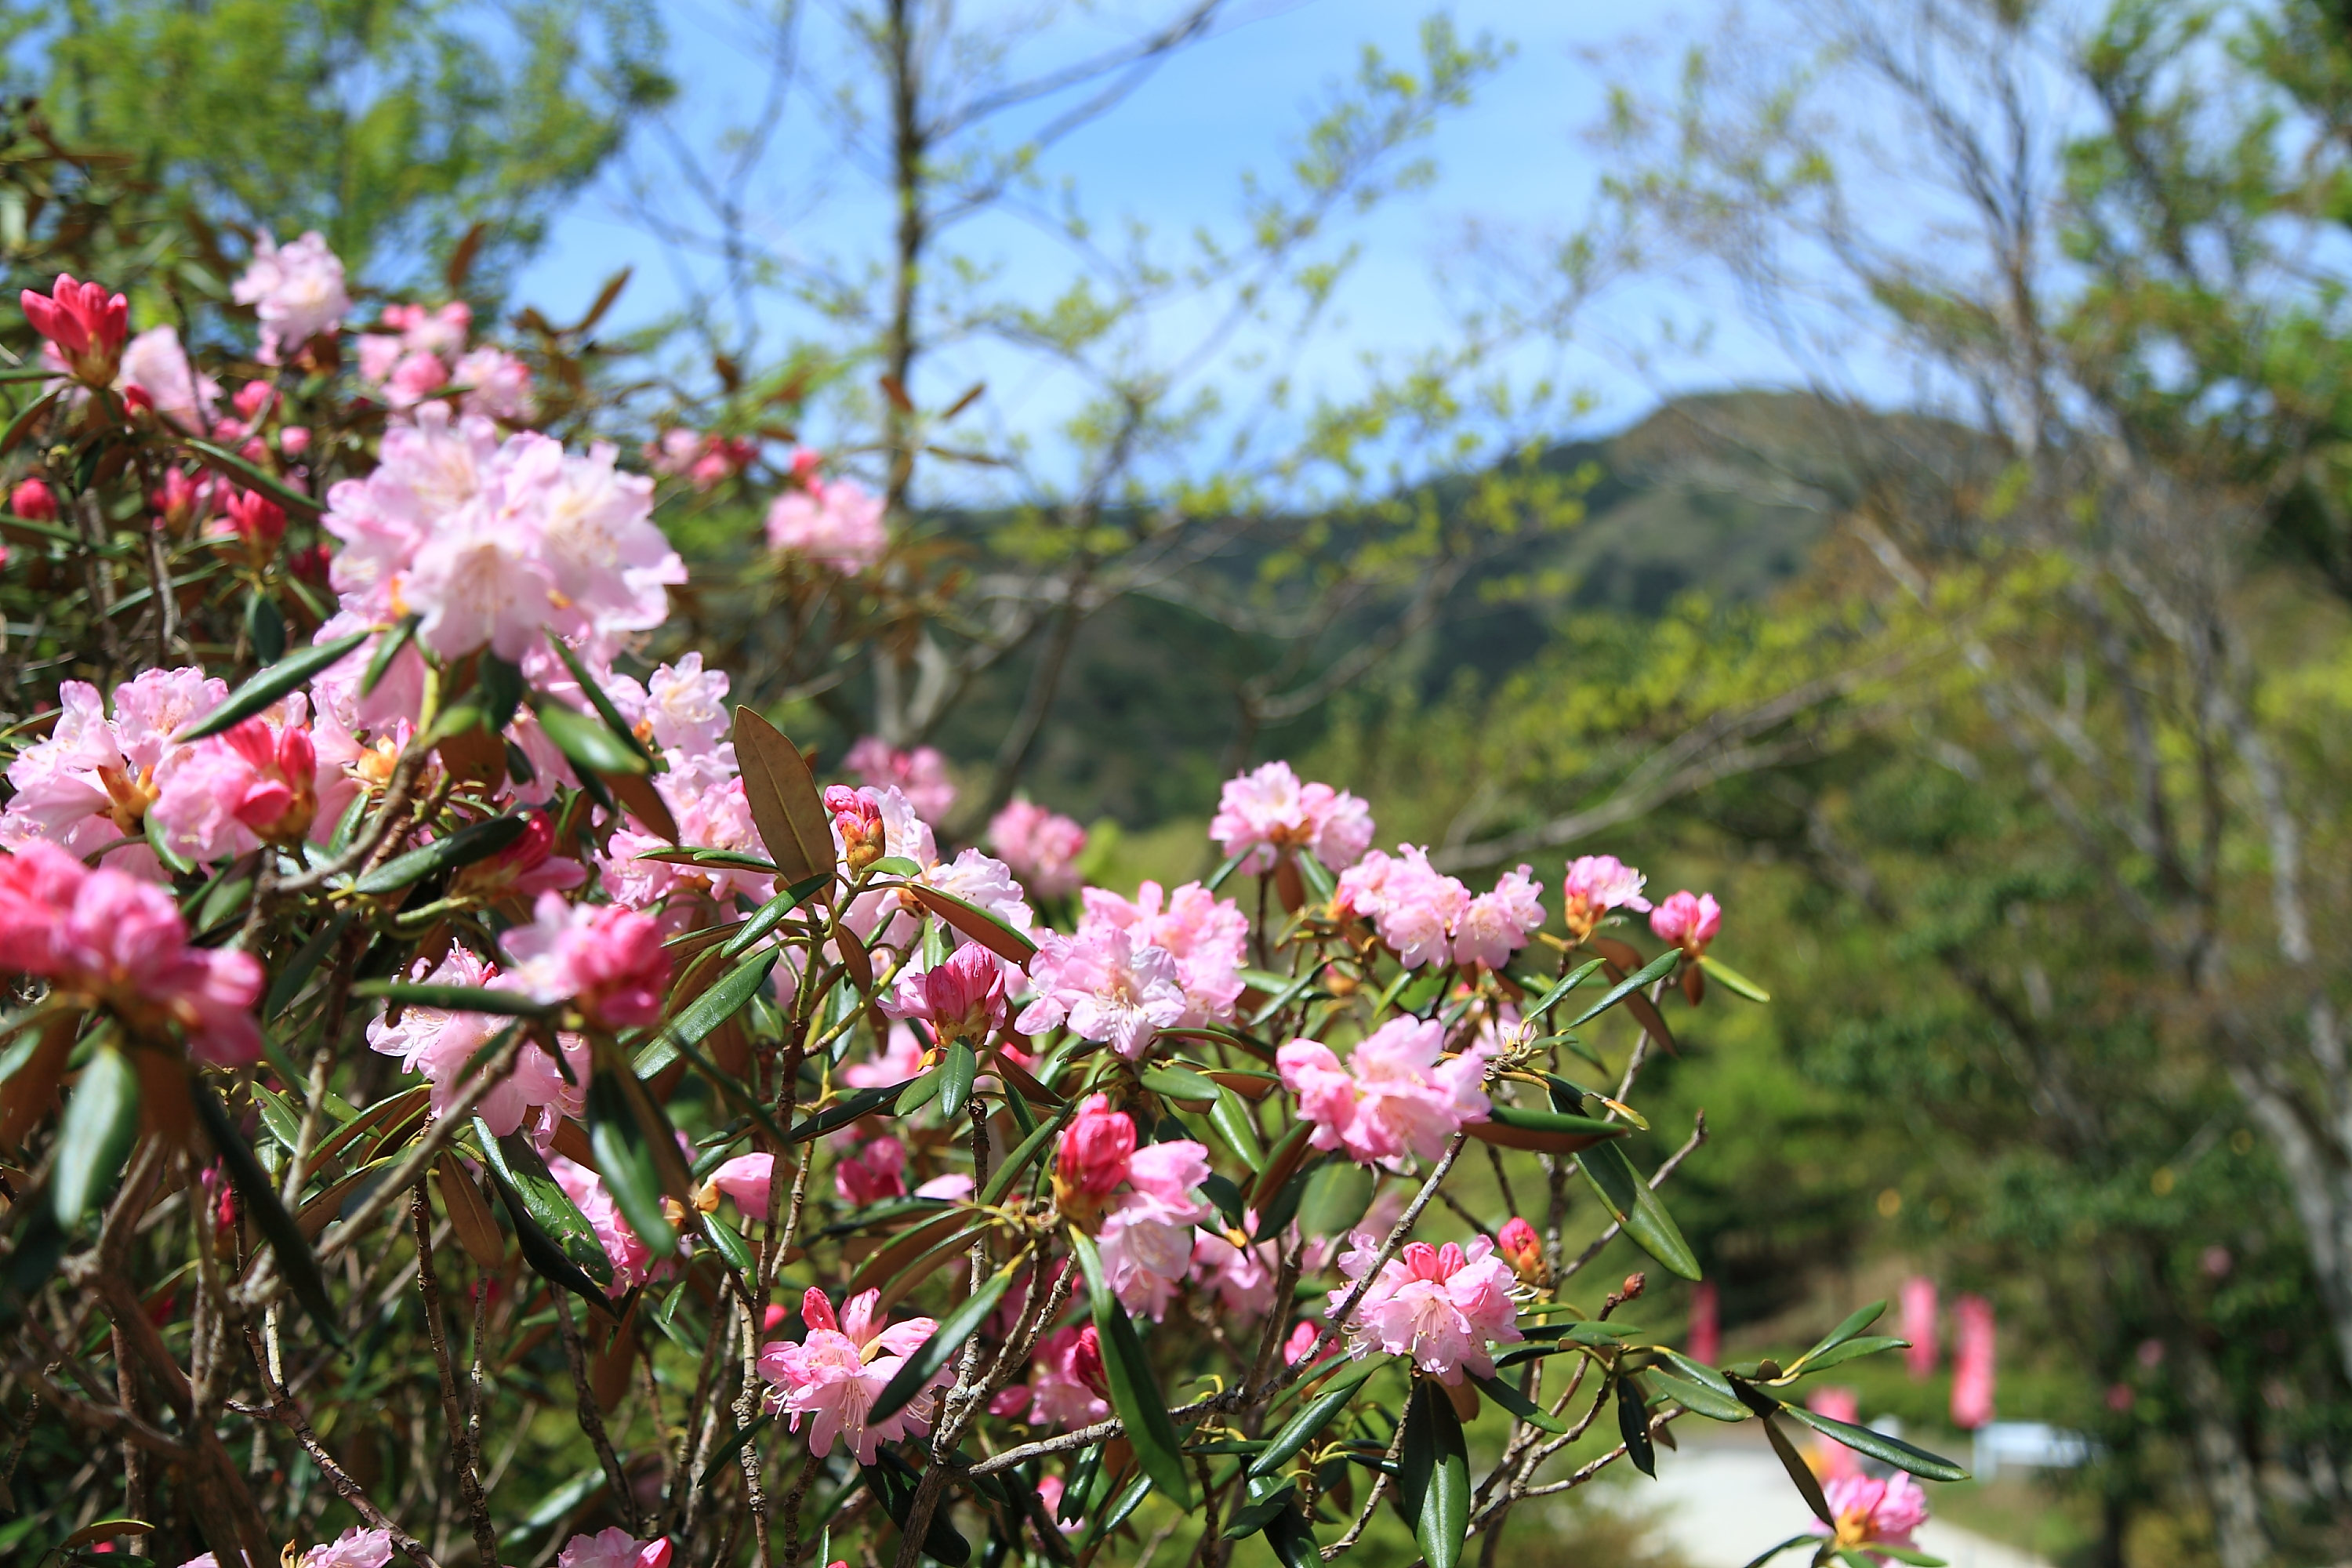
<point>442,1039</point>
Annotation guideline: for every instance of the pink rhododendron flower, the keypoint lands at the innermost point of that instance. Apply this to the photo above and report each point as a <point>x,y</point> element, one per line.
<point>1869,1510</point>
<point>961,998</point>
<point>1442,1306</point>
<point>1413,906</point>
<point>633,1261</point>
<point>32,499</point>
<point>1068,1387</point>
<point>1301,1342</point>
<point>605,959</point>
<point>1395,1094</point>
<point>834,1375</point>
<point>922,775</point>
<point>1042,847</point>
<point>836,523</point>
<point>873,1173</point>
<point>355,1548</point>
<point>1140,1201</point>
<point>92,780</point>
<point>156,368</point>
<point>524,868</point>
<point>1240,1276</point>
<point>1268,812</point>
<point>1594,885</point>
<point>1498,924</point>
<point>438,1045</point>
<point>704,460</point>
<point>1106,987</point>
<point>247,786</point>
<point>613,1548</point>
<point>297,291</point>
<point>122,943</point>
<point>497,383</point>
<point>254,520</point>
<point>903,1059</point>
<point>1208,937</point>
<point>85,322</point>
<point>745,1179</point>
<point>1688,921</point>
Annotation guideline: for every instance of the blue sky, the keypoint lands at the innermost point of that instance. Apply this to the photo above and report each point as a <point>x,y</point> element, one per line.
<point>1172,156</point>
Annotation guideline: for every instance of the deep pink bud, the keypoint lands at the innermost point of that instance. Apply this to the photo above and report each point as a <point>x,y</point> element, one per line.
<point>253,397</point>
<point>1688,921</point>
<point>256,519</point>
<point>1522,1250</point>
<point>87,325</point>
<point>961,998</point>
<point>180,498</point>
<point>1092,1159</point>
<point>294,440</point>
<point>1087,1362</point>
<point>859,820</point>
<point>32,499</point>
<point>816,1312</point>
<point>776,1313</point>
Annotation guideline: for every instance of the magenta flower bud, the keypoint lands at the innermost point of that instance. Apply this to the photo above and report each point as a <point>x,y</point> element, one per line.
<point>858,820</point>
<point>961,998</point>
<point>1522,1250</point>
<point>1688,921</point>
<point>87,325</point>
<point>32,499</point>
<point>256,519</point>
<point>1087,1362</point>
<point>1093,1157</point>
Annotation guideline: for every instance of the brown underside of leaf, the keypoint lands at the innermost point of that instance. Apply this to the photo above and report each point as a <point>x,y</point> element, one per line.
<point>785,805</point>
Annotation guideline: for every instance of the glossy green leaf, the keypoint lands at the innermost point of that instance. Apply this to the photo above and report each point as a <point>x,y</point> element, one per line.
<point>499,684</point>
<point>958,1326</point>
<point>1312,1417</point>
<point>724,998</point>
<point>476,841</point>
<point>959,1068</point>
<point>101,1123</point>
<point>1698,1398</point>
<point>724,1455</point>
<point>1560,988</point>
<point>1739,984</point>
<point>1134,1392</point>
<point>1807,1539</point>
<point>267,686</point>
<point>253,477</point>
<point>865,1102</point>
<point>614,724</point>
<point>585,742</point>
<point>1218,878</point>
<point>1855,1322</point>
<point>1320,885</point>
<point>1869,1344</point>
<point>1634,1428</point>
<point>1657,969</point>
<point>770,915</point>
<point>1882,1447</point>
<point>1229,1114</point>
<point>1629,1198</point>
<point>1807,1485</point>
<point>1259,1512</point>
<point>1337,1196</point>
<point>624,1159</point>
<point>1178,1083</point>
<point>1519,1405</point>
<point>455,998</point>
<point>265,627</point>
<point>726,859</point>
<point>893,1481</point>
<point>1434,1476</point>
<point>258,1196</point>
<point>532,1194</point>
<point>1025,1153</point>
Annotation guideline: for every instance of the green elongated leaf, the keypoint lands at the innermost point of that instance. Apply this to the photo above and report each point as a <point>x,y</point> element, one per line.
<point>1220,1190</point>
<point>1858,1320</point>
<point>252,478</point>
<point>1302,1428</point>
<point>532,1194</point>
<point>1024,1153</point>
<point>1291,1534</point>
<point>476,841</point>
<point>267,686</point>
<point>280,1117</point>
<point>24,421</point>
<point>624,1159</point>
<point>1434,1476</point>
<point>618,726</point>
<point>724,1455</point>
<point>1134,1392</point>
<point>1275,1214</point>
<point>1809,1485</point>
<point>1337,1196</point>
<point>1231,1118</point>
<point>957,1070</point>
<point>785,806</point>
<point>891,1478</point>
<point>258,1196</point>
<point>101,1123</point>
<point>1178,1083</point>
<point>894,866</point>
<point>586,743</point>
<point>265,627</point>
<point>1629,1198</point>
<point>730,1243</point>
<point>1320,885</point>
<point>957,1327</point>
<point>1807,1539</point>
<point>1256,1515</point>
<point>501,687</point>
<point>1641,979</point>
<point>729,859</point>
<point>302,965</point>
<point>1566,983</point>
<point>1549,1132</point>
<point>1698,1398</point>
<point>455,998</point>
<point>1123,1505</point>
<point>1869,1344</point>
<point>1739,984</point>
<point>403,633</point>
<point>1880,1447</point>
<point>865,1102</point>
<point>725,997</point>
<point>1906,1555</point>
<point>1218,878</point>
<point>1520,1406</point>
<point>1633,1426</point>
<point>770,915</point>
<point>1697,1371</point>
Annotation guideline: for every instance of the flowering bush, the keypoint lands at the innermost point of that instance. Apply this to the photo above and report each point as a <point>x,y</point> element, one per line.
<point>498,1002</point>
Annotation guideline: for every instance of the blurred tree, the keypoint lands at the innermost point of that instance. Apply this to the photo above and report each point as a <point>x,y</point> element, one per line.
<point>391,128</point>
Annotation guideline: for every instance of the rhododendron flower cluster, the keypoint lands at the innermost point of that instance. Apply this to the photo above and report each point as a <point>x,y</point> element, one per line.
<point>961,998</point>
<point>702,460</point>
<point>1106,986</point>
<point>1267,811</point>
<point>1594,885</point>
<point>84,324</point>
<point>1429,918</point>
<point>1442,1306</point>
<point>1042,847</point>
<point>835,523</point>
<point>122,943</point>
<point>297,291</point>
<point>423,351</point>
<point>1141,1200</point>
<point>250,787</point>
<point>1689,921</point>
<point>1397,1094</point>
<point>1207,936</point>
<point>1871,1511</point>
<point>92,782</point>
<point>834,1376</point>
<point>438,1043</point>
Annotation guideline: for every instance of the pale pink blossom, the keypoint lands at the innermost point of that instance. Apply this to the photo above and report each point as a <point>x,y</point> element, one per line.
<point>356,1548</point>
<point>297,291</point>
<point>1144,1198</point>
<point>704,460</point>
<point>1068,1387</point>
<point>836,523</point>
<point>1442,1306</point>
<point>1396,1094</point>
<point>903,1059</point>
<point>605,959</point>
<point>633,1261</point>
<point>608,562</point>
<point>1688,921</point>
<point>255,783</point>
<point>1873,1511</point>
<point>920,774</point>
<point>872,1172</point>
<point>121,943</point>
<point>1207,936</point>
<point>961,998</point>
<point>157,367</point>
<point>1413,907</point>
<point>1040,845</point>
<point>1498,924</point>
<point>425,472</point>
<point>1242,1277</point>
<point>953,1187</point>
<point>836,1373</point>
<point>1106,987</point>
<point>681,707</point>
<point>712,811</point>
<point>613,1547</point>
<point>745,1179</point>
<point>92,780</point>
<point>1268,813</point>
<point>438,1043</point>
<point>1594,885</point>
<point>497,385</point>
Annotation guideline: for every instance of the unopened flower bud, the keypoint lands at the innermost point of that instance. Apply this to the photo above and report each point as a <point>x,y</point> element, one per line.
<point>32,499</point>
<point>859,821</point>
<point>1523,1250</point>
<point>86,324</point>
<point>1092,1158</point>
<point>256,519</point>
<point>1087,1362</point>
<point>1635,1285</point>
